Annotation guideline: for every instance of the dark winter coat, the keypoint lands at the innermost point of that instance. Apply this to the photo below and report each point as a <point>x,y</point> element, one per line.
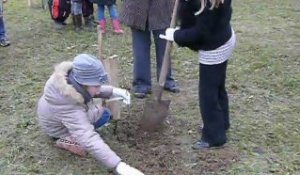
<point>147,14</point>
<point>206,31</point>
<point>104,2</point>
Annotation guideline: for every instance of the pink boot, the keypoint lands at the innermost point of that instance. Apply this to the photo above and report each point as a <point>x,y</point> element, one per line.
<point>116,26</point>
<point>102,26</point>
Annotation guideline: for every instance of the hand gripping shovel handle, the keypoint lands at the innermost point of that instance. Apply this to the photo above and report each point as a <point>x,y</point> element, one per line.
<point>166,59</point>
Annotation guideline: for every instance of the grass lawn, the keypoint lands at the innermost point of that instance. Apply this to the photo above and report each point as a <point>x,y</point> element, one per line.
<point>263,83</point>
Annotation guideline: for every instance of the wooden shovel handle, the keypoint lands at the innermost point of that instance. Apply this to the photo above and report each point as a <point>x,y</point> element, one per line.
<point>29,3</point>
<point>99,49</point>
<point>166,59</point>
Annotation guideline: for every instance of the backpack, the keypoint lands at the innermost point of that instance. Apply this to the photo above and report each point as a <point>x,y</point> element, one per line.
<point>59,9</point>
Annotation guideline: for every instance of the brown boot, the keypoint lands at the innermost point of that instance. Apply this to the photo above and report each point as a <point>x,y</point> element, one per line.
<point>68,143</point>
<point>116,26</point>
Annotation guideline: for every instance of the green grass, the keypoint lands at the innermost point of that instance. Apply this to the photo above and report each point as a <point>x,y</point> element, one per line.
<point>263,82</point>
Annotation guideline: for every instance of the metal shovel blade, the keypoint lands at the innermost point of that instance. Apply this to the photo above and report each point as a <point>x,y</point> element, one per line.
<point>155,113</point>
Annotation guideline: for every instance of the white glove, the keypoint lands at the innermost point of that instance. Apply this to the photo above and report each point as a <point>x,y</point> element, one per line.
<point>124,169</point>
<point>123,94</point>
<point>169,35</point>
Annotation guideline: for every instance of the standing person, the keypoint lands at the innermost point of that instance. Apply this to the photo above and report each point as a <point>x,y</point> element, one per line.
<point>4,42</point>
<point>67,113</point>
<point>205,27</point>
<point>76,10</point>
<point>113,15</point>
<point>147,17</point>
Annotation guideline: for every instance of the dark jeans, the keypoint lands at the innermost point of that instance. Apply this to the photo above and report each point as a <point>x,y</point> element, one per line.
<point>141,43</point>
<point>213,100</point>
<point>87,8</point>
<point>2,26</point>
<point>2,29</point>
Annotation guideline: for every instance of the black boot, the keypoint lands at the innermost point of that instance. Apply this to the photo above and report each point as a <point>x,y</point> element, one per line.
<point>74,21</point>
<point>77,21</point>
<point>88,22</point>
<point>94,20</point>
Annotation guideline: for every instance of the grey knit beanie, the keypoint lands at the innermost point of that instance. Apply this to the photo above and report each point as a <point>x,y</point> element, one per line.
<point>88,70</point>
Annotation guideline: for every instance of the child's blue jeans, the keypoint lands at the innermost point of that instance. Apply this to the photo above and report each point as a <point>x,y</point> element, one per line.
<point>103,119</point>
<point>112,12</point>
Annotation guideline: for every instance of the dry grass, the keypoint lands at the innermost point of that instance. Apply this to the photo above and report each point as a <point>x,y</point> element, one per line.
<point>263,84</point>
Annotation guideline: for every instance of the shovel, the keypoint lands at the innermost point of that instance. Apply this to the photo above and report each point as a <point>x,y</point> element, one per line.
<point>156,110</point>
<point>111,67</point>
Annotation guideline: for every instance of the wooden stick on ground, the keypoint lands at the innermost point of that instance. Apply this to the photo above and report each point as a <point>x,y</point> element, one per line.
<point>29,3</point>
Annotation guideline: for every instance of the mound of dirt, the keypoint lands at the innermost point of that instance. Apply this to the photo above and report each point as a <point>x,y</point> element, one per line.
<point>168,150</point>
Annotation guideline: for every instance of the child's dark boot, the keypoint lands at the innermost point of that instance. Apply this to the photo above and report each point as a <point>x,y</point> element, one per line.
<point>89,24</point>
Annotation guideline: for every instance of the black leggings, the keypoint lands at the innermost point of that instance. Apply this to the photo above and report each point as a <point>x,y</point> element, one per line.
<point>213,102</point>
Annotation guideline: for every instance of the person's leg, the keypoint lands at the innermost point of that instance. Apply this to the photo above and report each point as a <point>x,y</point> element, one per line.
<point>160,46</point>
<point>114,19</point>
<point>87,12</point>
<point>2,29</point>
<point>1,8</point>
<point>101,18</point>
<point>100,12</point>
<point>92,11</point>
<point>112,12</point>
<point>103,119</point>
<point>87,8</point>
<point>3,40</point>
<point>2,26</point>
<point>76,9</point>
<point>213,132</point>
<point>58,25</point>
<point>223,98</point>
<point>69,143</point>
<point>141,42</point>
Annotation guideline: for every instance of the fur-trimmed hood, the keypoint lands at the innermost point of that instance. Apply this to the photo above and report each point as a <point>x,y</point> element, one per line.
<point>57,90</point>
